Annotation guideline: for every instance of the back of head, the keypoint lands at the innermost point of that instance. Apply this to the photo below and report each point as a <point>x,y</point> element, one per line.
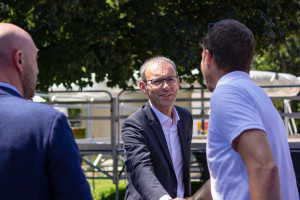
<point>231,45</point>
<point>12,38</point>
<point>18,65</point>
<point>6,43</point>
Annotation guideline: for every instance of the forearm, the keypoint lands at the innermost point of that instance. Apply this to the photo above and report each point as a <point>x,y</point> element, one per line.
<point>204,193</point>
<point>147,184</point>
<point>139,166</point>
<point>264,183</point>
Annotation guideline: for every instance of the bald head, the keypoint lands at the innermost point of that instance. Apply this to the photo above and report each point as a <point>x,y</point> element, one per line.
<point>18,66</point>
<point>12,38</point>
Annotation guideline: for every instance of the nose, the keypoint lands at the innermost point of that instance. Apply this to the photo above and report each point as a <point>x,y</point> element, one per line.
<point>165,84</point>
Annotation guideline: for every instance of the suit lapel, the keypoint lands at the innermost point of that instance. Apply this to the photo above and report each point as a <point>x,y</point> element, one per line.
<point>184,151</point>
<point>158,132</point>
<point>182,140</point>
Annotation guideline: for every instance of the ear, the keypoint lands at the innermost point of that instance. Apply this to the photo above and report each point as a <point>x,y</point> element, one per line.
<point>143,87</point>
<point>208,57</point>
<point>19,60</point>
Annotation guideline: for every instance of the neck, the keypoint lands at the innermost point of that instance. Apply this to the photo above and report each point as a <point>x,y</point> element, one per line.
<point>218,75</point>
<point>166,111</point>
<point>12,79</point>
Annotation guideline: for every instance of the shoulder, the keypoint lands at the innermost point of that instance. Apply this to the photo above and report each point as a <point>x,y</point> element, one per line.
<point>134,127</point>
<point>139,114</point>
<point>233,92</point>
<point>137,119</point>
<point>36,119</point>
<point>36,111</point>
<point>41,108</point>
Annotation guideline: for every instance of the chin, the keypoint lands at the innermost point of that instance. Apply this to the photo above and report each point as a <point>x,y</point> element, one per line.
<point>168,104</point>
<point>29,96</point>
<point>211,89</point>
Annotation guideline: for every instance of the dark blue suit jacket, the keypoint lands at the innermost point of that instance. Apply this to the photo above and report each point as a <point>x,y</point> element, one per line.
<point>149,169</point>
<point>39,158</point>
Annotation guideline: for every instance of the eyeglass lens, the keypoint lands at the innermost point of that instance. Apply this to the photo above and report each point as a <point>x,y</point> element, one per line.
<point>159,81</point>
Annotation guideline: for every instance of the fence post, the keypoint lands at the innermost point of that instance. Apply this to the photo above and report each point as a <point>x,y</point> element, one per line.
<point>114,146</point>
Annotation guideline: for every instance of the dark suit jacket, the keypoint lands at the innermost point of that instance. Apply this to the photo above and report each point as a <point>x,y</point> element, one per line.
<point>39,158</point>
<point>148,163</point>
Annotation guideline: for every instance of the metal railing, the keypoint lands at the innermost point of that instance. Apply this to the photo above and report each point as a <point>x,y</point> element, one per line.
<point>119,106</point>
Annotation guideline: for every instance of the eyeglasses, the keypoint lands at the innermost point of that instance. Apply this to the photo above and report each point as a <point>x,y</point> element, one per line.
<point>157,82</point>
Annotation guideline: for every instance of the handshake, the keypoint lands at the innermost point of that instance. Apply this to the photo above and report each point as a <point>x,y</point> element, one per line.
<point>202,194</point>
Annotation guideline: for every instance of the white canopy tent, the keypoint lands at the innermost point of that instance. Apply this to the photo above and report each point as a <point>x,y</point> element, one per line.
<point>265,78</point>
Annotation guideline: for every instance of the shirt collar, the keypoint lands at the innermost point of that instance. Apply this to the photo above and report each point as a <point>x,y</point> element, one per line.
<point>2,84</point>
<point>232,75</point>
<point>162,117</point>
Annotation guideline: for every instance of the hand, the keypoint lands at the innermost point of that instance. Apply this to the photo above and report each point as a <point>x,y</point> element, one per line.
<point>178,199</point>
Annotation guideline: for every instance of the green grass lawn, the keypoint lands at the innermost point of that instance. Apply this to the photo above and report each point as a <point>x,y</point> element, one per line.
<point>103,189</point>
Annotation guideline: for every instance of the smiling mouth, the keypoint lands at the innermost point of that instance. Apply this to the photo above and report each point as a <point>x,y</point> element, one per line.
<point>166,95</point>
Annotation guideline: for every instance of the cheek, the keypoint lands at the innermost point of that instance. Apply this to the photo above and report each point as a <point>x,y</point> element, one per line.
<point>153,93</point>
<point>144,90</point>
<point>202,69</point>
<point>201,65</point>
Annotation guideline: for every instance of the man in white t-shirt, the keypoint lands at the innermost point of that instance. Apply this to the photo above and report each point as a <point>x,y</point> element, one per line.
<point>247,150</point>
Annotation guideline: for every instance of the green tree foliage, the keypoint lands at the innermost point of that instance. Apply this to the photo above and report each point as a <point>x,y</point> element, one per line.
<point>286,58</point>
<point>112,38</point>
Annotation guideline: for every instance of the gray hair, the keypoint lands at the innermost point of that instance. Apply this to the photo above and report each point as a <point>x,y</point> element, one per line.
<point>154,60</point>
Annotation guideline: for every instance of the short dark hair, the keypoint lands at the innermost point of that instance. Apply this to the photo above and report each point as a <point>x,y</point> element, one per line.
<point>231,45</point>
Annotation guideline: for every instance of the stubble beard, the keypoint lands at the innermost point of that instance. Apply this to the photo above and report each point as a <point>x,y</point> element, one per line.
<point>29,84</point>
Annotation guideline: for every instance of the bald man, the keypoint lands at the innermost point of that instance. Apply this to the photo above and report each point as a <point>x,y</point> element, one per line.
<point>39,158</point>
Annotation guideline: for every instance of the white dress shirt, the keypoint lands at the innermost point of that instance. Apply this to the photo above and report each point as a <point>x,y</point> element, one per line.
<point>169,126</point>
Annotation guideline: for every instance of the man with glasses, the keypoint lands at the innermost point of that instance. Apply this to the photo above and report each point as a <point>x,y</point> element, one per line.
<point>157,137</point>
